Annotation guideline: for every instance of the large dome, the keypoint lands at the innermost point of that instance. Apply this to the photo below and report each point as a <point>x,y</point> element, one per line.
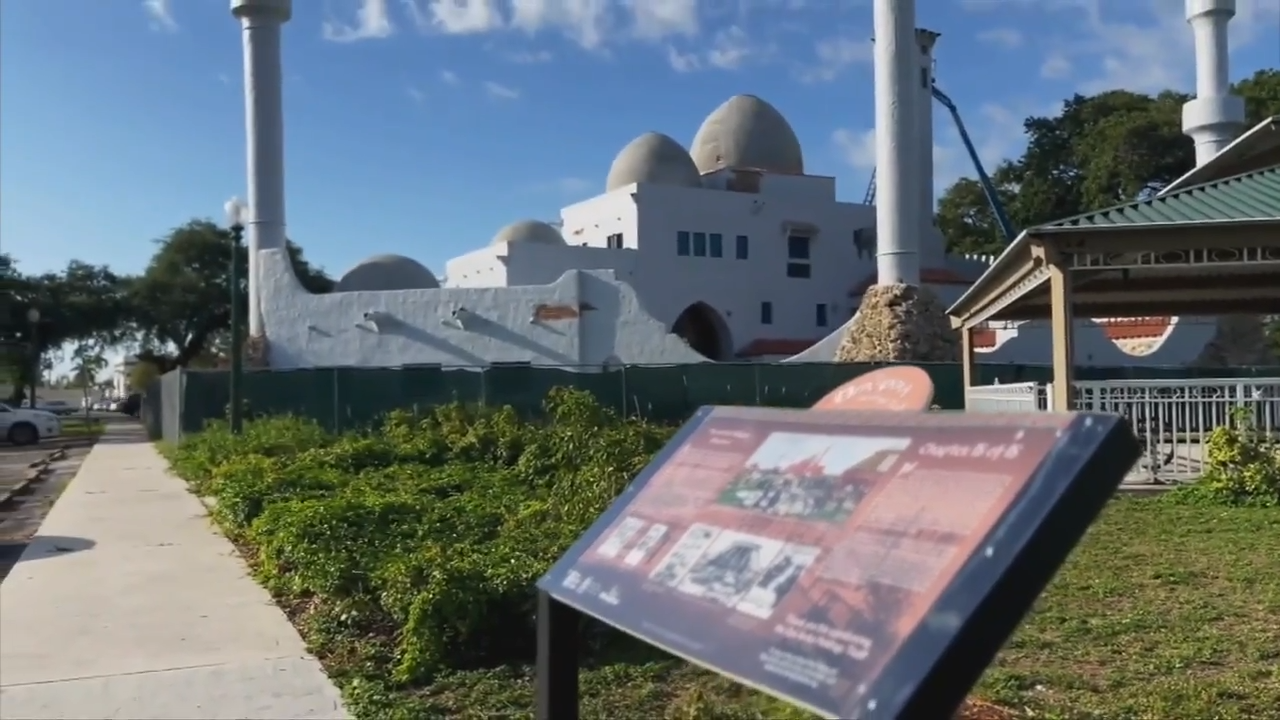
<point>652,158</point>
<point>750,134</point>
<point>387,272</point>
<point>534,231</point>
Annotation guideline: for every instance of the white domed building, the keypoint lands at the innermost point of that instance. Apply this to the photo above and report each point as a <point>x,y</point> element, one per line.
<point>725,251</point>
<point>729,244</point>
<point>386,272</point>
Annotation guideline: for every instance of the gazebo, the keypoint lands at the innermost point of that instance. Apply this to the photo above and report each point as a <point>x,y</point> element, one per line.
<point>1209,244</point>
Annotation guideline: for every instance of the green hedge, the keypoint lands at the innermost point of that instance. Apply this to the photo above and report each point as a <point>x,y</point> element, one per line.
<point>409,554</point>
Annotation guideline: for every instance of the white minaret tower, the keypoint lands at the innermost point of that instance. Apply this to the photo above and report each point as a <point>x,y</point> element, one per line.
<point>261,21</point>
<point>897,78</point>
<point>1215,117</point>
<point>932,245</point>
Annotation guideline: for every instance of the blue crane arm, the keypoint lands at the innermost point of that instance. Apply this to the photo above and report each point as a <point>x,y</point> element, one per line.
<point>988,187</point>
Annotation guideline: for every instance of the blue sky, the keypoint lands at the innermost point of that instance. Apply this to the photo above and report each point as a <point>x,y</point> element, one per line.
<point>422,127</point>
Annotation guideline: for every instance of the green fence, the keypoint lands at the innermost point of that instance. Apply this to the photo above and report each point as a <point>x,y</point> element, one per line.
<point>343,398</point>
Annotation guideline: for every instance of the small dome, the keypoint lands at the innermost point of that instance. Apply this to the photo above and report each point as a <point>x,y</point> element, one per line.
<point>750,134</point>
<point>387,272</point>
<point>534,231</point>
<point>652,158</point>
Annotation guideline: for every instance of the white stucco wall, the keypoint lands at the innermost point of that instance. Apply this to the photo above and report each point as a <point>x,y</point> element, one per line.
<point>650,284</point>
<point>649,218</point>
<point>420,327</point>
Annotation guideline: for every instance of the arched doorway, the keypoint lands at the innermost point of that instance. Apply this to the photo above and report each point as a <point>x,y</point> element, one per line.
<point>704,330</point>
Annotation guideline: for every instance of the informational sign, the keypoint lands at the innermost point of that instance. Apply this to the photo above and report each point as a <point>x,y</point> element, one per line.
<point>902,387</point>
<point>799,552</point>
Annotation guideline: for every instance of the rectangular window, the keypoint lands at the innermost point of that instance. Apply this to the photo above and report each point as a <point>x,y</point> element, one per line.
<point>797,247</point>
<point>699,244</point>
<point>798,255</point>
<point>682,243</point>
<point>766,313</point>
<point>798,270</point>
<point>743,246</point>
<point>615,241</point>
<point>821,317</point>
<point>716,245</point>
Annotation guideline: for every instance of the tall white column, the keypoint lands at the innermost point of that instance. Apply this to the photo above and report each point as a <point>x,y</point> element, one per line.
<point>1215,117</point>
<point>261,22</point>
<point>897,171</point>
<point>925,40</point>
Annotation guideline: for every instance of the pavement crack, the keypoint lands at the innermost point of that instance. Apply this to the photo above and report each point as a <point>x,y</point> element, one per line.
<point>104,676</point>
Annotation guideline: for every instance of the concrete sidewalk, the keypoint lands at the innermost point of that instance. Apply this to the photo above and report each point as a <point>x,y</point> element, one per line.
<point>128,604</point>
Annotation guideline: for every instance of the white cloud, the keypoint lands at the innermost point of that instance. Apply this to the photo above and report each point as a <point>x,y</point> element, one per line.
<point>730,49</point>
<point>450,77</point>
<point>1005,37</point>
<point>500,92</point>
<point>1144,46</point>
<point>683,62</point>
<point>591,24</point>
<point>455,17</point>
<point>656,19</point>
<point>857,148</point>
<point>586,22</point>
<point>372,22</point>
<point>1056,66</point>
<point>529,58</point>
<point>161,15</point>
<point>416,95</point>
<point>832,56</point>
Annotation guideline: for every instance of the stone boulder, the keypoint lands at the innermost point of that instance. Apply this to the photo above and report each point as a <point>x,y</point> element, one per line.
<point>900,323</point>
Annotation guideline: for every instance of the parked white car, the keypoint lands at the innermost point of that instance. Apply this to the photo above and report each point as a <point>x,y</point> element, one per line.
<point>22,426</point>
<point>57,407</point>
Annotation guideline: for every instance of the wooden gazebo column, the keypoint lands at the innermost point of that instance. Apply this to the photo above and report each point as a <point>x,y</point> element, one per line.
<point>1062,322</point>
<point>968,361</point>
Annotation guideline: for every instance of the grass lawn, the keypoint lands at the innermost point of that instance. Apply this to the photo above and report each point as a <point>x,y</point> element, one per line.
<point>77,427</point>
<point>1165,611</point>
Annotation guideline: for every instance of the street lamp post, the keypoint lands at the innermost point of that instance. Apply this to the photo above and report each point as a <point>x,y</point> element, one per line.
<point>235,219</point>
<point>33,317</point>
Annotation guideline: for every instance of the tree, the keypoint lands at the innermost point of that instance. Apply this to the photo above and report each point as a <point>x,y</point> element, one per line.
<point>966,218</point>
<point>82,303</point>
<point>181,302</point>
<point>89,361</point>
<point>1101,150</point>
<point>142,375</point>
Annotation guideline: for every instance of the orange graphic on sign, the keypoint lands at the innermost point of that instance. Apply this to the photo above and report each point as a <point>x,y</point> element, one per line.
<point>903,387</point>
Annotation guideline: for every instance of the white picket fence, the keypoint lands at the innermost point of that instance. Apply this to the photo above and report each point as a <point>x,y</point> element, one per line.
<point>1173,418</point>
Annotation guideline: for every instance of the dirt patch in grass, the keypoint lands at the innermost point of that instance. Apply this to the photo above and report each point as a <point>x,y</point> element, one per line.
<point>1164,611</point>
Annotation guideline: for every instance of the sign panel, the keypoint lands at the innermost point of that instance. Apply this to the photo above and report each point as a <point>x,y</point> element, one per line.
<point>798,551</point>
<point>903,387</point>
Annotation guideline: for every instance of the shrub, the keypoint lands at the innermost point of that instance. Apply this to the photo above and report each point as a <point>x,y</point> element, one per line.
<point>1243,466</point>
<point>431,531</point>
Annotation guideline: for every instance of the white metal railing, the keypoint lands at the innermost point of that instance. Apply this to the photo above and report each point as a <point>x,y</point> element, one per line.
<point>1172,418</point>
<point>1014,397</point>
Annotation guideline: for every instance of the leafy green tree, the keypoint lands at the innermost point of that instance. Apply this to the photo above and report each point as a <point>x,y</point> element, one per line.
<point>88,361</point>
<point>142,375</point>
<point>182,300</point>
<point>1100,150</point>
<point>82,303</point>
